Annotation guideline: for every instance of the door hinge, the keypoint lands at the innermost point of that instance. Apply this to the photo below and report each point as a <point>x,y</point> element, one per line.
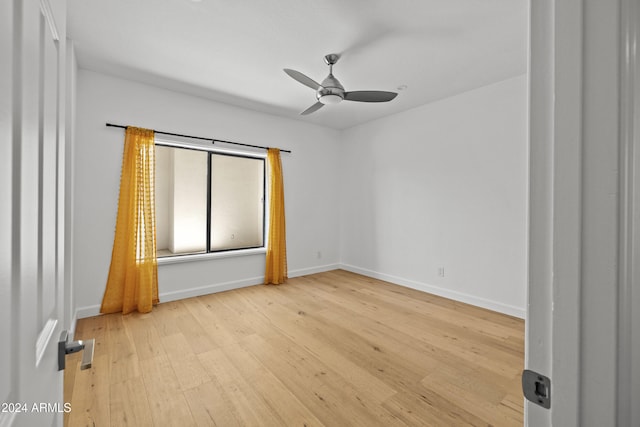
<point>536,388</point>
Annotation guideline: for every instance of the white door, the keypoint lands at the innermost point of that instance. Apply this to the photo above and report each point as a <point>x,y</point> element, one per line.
<point>32,46</point>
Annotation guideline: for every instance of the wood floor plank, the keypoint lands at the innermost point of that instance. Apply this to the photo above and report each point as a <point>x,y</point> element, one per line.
<point>96,328</point>
<point>429,408</point>
<point>253,409</point>
<point>166,315</point>
<point>475,351</point>
<point>128,404</point>
<point>487,330</point>
<point>211,406</point>
<point>227,317</point>
<point>89,389</point>
<point>188,369</point>
<point>327,394</point>
<point>273,391</point>
<point>302,329</point>
<point>166,400</point>
<point>145,336</point>
<point>461,388</point>
<point>243,305</point>
<point>404,346</point>
<point>195,333</point>
<point>123,356</point>
<point>512,406</point>
<point>453,307</point>
<point>72,363</point>
<point>217,321</point>
<point>370,353</point>
<point>329,349</point>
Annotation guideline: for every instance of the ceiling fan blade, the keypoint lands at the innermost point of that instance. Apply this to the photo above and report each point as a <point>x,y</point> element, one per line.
<point>369,96</point>
<point>297,75</point>
<point>314,107</point>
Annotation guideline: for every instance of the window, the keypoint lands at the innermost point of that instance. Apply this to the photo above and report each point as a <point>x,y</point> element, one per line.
<point>208,201</point>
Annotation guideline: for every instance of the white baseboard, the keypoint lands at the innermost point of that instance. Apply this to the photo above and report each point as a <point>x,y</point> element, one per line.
<point>72,327</point>
<point>88,311</point>
<point>94,310</point>
<point>442,292</point>
<point>209,289</point>
<point>313,270</point>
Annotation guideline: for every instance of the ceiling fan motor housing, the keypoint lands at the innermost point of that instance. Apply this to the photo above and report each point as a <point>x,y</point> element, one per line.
<point>330,91</point>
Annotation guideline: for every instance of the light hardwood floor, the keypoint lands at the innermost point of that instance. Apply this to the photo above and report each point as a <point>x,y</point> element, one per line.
<point>330,349</point>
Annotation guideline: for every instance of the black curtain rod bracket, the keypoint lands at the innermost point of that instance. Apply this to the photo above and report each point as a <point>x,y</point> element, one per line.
<point>212,140</point>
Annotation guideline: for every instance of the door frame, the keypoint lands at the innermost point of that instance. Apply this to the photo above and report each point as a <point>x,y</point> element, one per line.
<point>628,374</point>
<point>584,239</point>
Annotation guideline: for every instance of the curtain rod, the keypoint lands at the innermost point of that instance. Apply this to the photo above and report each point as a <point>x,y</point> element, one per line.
<point>213,141</point>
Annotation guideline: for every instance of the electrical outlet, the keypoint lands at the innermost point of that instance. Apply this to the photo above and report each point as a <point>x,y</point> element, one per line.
<point>319,255</point>
<point>441,271</point>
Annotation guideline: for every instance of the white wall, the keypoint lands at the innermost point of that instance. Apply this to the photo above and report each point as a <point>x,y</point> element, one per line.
<point>310,174</point>
<point>443,185</point>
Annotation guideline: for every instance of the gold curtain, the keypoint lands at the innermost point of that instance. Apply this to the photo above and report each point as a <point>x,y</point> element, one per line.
<point>133,274</point>
<point>276,263</point>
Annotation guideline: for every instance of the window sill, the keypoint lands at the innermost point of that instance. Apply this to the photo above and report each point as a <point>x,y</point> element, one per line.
<point>215,255</point>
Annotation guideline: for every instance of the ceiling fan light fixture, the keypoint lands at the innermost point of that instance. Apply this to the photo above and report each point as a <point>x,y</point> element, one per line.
<point>330,98</point>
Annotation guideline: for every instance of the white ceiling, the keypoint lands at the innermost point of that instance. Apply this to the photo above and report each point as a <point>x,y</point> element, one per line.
<point>233,51</point>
